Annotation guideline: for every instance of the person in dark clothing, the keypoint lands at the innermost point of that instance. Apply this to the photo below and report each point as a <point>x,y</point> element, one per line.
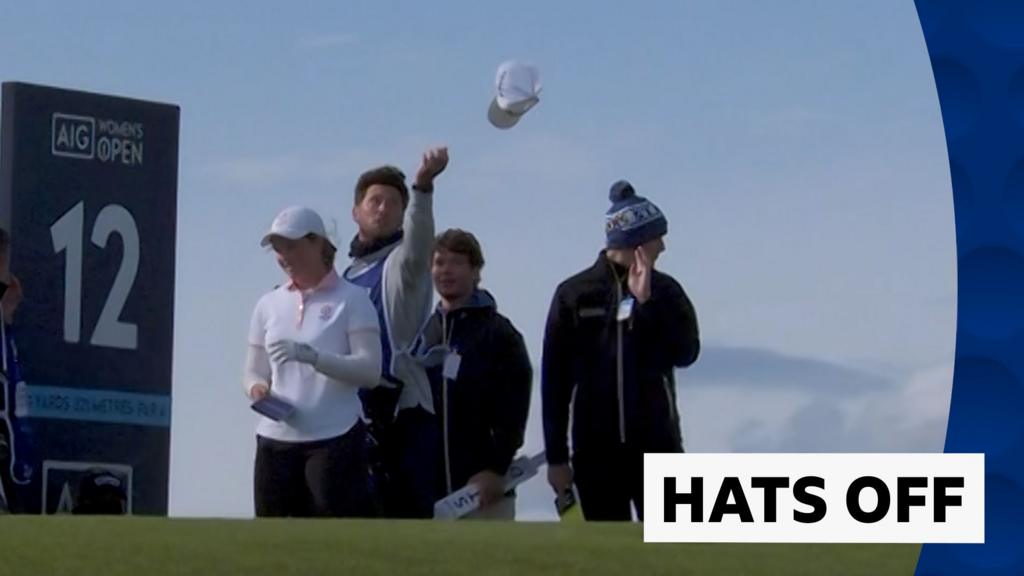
<point>16,446</point>
<point>480,377</point>
<point>101,492</point>
<point>615,334</point>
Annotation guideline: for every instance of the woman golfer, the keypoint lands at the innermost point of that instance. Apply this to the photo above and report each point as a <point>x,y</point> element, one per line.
<point>313,343</point>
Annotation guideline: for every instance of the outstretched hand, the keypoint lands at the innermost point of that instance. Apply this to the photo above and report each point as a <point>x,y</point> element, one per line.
<point>434,162</point>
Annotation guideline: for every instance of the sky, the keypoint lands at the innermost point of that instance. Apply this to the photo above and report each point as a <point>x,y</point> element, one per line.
<point>796,148</point>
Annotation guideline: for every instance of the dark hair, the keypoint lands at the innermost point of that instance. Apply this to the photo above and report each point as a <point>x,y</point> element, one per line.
<point>328,251</point>
<point>5,239</point>
<point>461,242</point>
<point>385,176</point>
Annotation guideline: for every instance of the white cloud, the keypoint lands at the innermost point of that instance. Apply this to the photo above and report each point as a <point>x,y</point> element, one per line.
<point>907,415</point>
<point>911,418</point>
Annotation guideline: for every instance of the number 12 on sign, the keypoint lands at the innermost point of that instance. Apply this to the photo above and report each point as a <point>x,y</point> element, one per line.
<point>68,234</point>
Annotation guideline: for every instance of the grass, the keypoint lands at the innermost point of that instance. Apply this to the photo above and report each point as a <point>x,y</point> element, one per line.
<point>44,546</point>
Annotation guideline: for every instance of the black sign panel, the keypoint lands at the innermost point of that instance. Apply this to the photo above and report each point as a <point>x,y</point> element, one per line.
<point>88,191</point>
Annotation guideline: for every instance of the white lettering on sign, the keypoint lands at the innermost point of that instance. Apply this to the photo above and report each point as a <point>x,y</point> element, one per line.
<point>88,138</point>
<point>67,234</point>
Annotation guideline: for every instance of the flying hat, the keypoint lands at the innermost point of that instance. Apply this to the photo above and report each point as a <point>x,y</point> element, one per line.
<point>517,89</point>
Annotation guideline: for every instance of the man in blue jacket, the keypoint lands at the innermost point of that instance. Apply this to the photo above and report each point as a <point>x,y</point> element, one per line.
<point>391,258</point>
<point>615,334</point>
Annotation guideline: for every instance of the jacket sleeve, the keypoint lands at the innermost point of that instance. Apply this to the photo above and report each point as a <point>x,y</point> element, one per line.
<point>257,364</point>
<point>408,288</point>
<point>412,257</point>
<point>257,369</point>
<point>556,379</point>
<point>514,376</point>
<point>666,326</point>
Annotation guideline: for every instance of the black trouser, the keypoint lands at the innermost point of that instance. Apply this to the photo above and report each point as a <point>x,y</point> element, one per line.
<point>609,482</point>
<point>321,478</point>
<point>411,458</point>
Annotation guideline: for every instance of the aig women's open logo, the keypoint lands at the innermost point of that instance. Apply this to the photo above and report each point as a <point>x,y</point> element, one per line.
<point>74,136</point>
<point>87,138</point>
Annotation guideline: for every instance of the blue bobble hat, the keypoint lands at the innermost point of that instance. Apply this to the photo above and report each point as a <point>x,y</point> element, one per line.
<point>632,220</point>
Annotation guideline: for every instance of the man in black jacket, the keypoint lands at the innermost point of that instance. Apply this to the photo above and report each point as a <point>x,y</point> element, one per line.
<point>480,377</point>
<point>615,334</point>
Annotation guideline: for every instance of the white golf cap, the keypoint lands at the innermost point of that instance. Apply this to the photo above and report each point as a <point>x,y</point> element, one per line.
<point>296,222</point>
<point>517,88</point>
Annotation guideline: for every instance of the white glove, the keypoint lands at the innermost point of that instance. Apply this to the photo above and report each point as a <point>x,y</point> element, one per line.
<point>284,350</point>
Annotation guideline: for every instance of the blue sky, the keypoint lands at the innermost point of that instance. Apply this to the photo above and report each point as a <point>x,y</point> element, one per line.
<point>796,148</point>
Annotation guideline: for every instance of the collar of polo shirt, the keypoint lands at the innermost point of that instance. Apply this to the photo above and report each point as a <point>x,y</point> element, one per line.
<point>329,281</point>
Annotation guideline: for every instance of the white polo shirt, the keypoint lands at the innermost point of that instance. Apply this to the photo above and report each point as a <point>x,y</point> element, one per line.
<point>322,317</point>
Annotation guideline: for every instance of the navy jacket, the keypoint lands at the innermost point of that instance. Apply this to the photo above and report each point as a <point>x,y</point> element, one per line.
<point>619,375</point>
<point>482,408</point>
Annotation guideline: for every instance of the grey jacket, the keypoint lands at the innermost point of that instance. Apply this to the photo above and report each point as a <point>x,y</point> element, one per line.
<point>406,294</point>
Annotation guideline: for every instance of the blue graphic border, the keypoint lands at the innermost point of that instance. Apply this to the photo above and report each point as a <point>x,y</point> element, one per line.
<point>976,49</point>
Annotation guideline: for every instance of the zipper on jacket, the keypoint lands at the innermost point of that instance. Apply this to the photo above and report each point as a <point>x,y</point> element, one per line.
<point>447,457</point>
<point>619,368</point>
<point>446,339</point>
